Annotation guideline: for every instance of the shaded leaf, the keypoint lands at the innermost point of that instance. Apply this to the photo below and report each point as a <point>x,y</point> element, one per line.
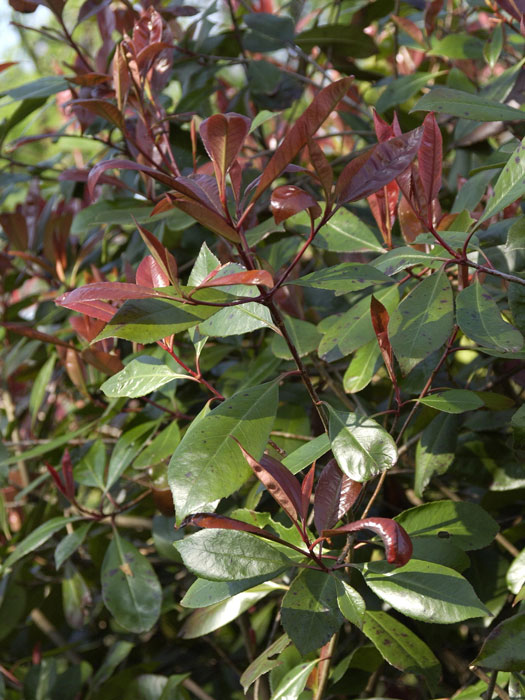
<point>510,184</point>
<point>503,649</point>
<point>335,494</point>
<point>466,105</point>
<point>436,449</point>
<point>343,278</point>
<point>453,401</point>
<point>430,158</point>
<point>264,662</point>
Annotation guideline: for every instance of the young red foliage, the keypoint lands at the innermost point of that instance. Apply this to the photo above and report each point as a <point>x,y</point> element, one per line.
<point>380,319</point>
<point>150,273</point>
<point>306,492</point>
<point>430,159</point>
<point>398,545</point>
<point>251,277</point>
<point>161,254</point>
<point>223,136</point>
<point>288,200</point>
<point>335,494</point>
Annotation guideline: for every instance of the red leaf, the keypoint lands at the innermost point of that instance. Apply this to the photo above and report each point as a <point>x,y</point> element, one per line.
<point>202,188</point>
<point>56,478</point>
<point>280,482</point>
<point>82,175</point>
<point>205,216</point>
<point>222,522</point>
<point>67,471</point>
<point>151,274</point>
<point>161,254</point>
<point>121,164</point>
<point>430,159</point>
<point>150,52</point>
<point>407,26</point>
<point>335,494</point>
<point>382,128</point>
<point>398,545</point>
<point>89,79</point>
<point>322,168</point>
<point>101,108</point>
<point>114,291</point>
<point>306,126</point>
<point>380,320</point>
<point>223,136</point>
<point>383,205</point>
<point>409,223</point>
<point>288,200</point>
<point>378,167</point>
<point>411,186</point>
<point>246,277</point>
<point>6,65</point>
<point>103,361</point>
<point>306,492</point>
<point>94,309</point>
<point>434,8</point>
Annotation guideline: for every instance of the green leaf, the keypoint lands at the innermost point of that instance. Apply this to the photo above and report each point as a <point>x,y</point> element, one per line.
<point>208,463</point>
<point>267,32</point>
<point>453,401</point>
<point>130,588</point>
<point>510,184</point>
<point>517,305</point>
<point>208,619</point>
<point>465,524</point>
<point>264,115</point>
<point>341,39</point>
<point>75,596</point>
<point>516,235</point>
<point>466,105</point>
<point>310,613</point>
<point>400,647</point>
<point>504,648</point>
<point>139,377</point>
<point>424,591</point>
<point>304,335</point>
<point>229,555</point>
<point>40,386</point>
<point>13,600</point>
<point>307,454</point>
<point>203,593</point>
<point>126,449</point>
<point>456,45</point>
<point>122,212</point>
<point>440,551</point>
<point>346,333</point>
<point>294,682</point>
<point>480,320</point>
<point>364,364</point>
<point>424,319</point>
<point>91,469</point>
<point>237,320</point>
<point>361,446</point>
<point>435,450</point>
<point>162,446</point>
<point>71,543</point>
<point>149,320</point>
<point>344,233</point>
<point>400,258</point>
<point>492,48</point>
<point>264,662</point>
<point>350,603</point>
<point>515,576</point>
<point>36,538</point>
<point>401,89</point>
<point>43,87</point>
<point>116,655</point>
<point>343,278</point>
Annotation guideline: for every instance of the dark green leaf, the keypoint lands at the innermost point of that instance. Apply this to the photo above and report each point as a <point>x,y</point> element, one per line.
<point>424,591</point>
<point>304,336</point>
<point>400,258</point>
<point>126,449</point>
<point>350,602</point>
<point>504,648</point>
<point>91,468</point>
<point>43,87</point>
<point>267,32</point>
<point>310,614</point>
<point>466,524</point>
<point>306,454</point>
<point>466,105</point>
<point>401,89</point>
<point>343,278</point>
<point>76,597</point>
<point>480,320</point>
<point>71,543</point>
<point>13,600</point>
<point>264,662</point>
<point>510,184</point>
<point>435,450</point>
<point>453,401</point>
<point>116,655</point>
<point>343,40</point>
<point>163,445</point>
<point>208,463</point>
<point>229,555</point>
<point>400,647</point>
<point>130,588</point>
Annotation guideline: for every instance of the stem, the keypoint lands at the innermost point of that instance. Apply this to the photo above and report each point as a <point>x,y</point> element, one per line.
<point>324,667</point>
<point>195,376</point>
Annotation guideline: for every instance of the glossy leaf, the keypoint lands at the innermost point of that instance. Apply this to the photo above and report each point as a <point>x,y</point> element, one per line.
<point>343,278</point>
<point>503,649</point>
<point>350,602</point>
<point>130,588</point>
<point>436,449</point>
<point>255,277</point>
<point>363,365</point>
<point>288,200</point>
<point>206,216</point>
<point>400,647</point>
<point>345,233</point>
<point>510,184</point>
<point>424,319</point>
<point>310,614</point>
<point>237,320</point>
<point>453,401</point>
<point>265,662</point>
<point>206,620</point>
<point>480,320</point>
<point>377,167</point>
<point>515,576</point>
<point>466,524</point>
<point>123,164</point>
<point>279,481</point>
<point>226,555</point>
<point>207,464</point>
<point>223,136</point>
<point>139,377</point>
<point>160,254</point>
<point>361,446</point>
<point>466,105</point>
<point>70,544</point>
<point>213,521</point>
<point>151,274</point>
<point>430,158</point>
<point>203,593</point>
<point>126,449</point>
<point>424,591</point>
<point>335,494</point>
<point>307,124</point>
<point>306,454</point>
<point>294,682</point>
<point>398,547</point>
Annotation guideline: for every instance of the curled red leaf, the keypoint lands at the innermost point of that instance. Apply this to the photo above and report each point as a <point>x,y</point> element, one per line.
<point>398,545</point>
<point>288,200</point>
<point>335,494</point>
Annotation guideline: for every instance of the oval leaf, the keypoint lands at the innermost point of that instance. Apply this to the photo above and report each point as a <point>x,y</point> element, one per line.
<point>288,200</point>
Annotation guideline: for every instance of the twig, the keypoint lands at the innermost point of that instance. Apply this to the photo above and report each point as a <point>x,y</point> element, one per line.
<point>484,677</point>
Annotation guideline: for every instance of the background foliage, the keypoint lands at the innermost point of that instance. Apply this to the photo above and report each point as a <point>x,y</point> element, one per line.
<point>224,260</point>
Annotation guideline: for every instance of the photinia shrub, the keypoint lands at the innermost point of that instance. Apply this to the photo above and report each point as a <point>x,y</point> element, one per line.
<point>263,306</point>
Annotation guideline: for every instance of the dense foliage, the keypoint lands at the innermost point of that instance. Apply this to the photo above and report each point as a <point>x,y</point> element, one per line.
<point>263,267</point>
